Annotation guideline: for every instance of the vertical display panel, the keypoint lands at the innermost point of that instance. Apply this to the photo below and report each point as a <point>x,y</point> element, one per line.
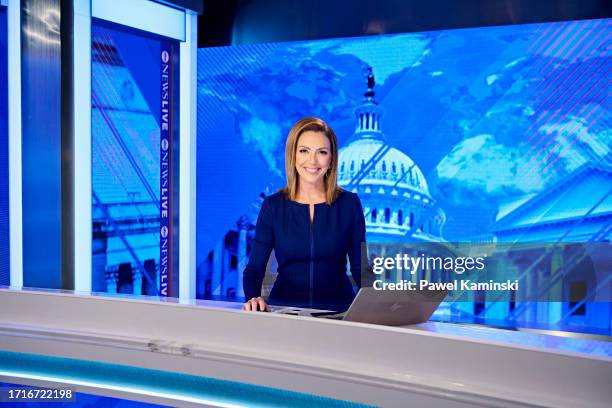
<point>41,144</point>
<point>4,176</point>
<point>134,125</point>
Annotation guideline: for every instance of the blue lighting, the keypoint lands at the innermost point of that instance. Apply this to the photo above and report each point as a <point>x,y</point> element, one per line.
<point>142,14</point>
<point>182,387</point>
<point>4,175</point>
<point>489,134</point>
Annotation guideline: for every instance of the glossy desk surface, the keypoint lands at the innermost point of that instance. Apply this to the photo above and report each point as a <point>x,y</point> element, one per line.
<point>553,342</point>
<point>431,364</point>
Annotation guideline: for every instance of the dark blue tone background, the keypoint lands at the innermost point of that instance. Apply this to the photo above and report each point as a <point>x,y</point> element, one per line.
<point>488,114</point>
<point>41,145</point>
<point>140,53</point>
<point>4,180</point>
<point>510,126</point>
<point>126,103</point>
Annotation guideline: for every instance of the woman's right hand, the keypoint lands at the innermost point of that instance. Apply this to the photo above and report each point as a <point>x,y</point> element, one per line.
<point>256,304</point>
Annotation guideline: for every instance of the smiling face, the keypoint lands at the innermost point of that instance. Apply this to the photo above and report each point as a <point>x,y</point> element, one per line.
<point>312,157</point>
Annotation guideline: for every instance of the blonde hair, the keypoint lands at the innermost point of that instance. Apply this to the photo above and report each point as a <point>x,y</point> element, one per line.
<point>330,179</point>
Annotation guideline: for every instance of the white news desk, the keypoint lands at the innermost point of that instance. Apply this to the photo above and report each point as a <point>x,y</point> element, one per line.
<point>427,365</point>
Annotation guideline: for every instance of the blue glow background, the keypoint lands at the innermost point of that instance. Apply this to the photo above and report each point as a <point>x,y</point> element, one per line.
<point>488,114</point>
<point>4,176</point>
<point>494,117</point>
<point>126,98</point>
<point>216,392</point>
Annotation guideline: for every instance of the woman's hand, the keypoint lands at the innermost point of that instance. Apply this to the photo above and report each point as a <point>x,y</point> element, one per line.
<point>256,304</point>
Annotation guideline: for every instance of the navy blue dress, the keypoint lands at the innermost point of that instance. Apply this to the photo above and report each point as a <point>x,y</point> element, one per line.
<point>312,257</point>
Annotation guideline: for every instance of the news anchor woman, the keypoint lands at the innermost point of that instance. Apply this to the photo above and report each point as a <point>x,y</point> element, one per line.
<point>312,225</point>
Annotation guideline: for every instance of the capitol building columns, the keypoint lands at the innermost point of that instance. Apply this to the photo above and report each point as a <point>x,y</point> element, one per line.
<point>392,188</point>
<point>243,224</point>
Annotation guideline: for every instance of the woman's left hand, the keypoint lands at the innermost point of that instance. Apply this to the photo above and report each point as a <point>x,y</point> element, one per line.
<point>256,304</point>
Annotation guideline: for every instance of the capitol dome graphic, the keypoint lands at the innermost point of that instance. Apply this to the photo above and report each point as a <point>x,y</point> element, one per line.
<point>394,194</point>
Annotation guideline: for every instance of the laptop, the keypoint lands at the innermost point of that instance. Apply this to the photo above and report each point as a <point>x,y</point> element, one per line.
<point>385,307</point>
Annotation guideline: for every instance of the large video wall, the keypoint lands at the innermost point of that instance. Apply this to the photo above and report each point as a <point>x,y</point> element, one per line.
<point>502,133</point>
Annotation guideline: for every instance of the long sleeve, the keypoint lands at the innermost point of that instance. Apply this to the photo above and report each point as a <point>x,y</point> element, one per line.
<point>260,252</point>
<point>358,258</point>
